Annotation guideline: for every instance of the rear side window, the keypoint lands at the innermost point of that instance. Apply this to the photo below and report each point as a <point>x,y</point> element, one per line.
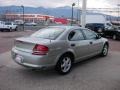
<point>75,35</point>
<point>48,33</point>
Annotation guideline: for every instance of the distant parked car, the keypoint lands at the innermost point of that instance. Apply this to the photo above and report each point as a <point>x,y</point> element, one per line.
<point>101,29</point>
<point>58,46</point>
<point>19,22</point>
<point>97,27</point>
<point>7,26</point>
<point>11,25</point>
<point>113,33</point>
<point>31,24</point>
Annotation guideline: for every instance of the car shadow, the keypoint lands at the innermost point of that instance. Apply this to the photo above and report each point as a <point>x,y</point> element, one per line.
<point>51,73</point>
<point>88,61</point>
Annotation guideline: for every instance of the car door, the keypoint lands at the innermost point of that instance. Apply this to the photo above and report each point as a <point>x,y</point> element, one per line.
<point>95,44</point>
<point>78,43</point>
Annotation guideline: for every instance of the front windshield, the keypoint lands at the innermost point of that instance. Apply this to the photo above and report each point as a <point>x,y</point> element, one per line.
<point>48,33</point>
<point>7,23</point>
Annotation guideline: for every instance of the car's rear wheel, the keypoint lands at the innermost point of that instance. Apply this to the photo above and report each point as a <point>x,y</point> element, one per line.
<point>64,64</point>
<point>104,50</point>
<point>114,37</point>
<point>16,29</point>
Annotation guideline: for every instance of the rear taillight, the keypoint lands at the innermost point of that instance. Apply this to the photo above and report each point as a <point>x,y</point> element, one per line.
<point>40,50</point>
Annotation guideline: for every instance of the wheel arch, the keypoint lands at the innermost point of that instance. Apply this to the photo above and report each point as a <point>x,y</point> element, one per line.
<point>106,43</point>
<point>72,55</point>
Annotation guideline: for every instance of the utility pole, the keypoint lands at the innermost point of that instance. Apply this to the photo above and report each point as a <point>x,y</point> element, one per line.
<point>83,17</point>
<point>78,13</point>
<point>72,14</point>
<point>118,14</point>
<point>23,16</point>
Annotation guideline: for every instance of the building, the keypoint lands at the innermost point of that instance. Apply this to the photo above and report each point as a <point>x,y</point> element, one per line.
<point>29,17</point>
<point>61,21</point>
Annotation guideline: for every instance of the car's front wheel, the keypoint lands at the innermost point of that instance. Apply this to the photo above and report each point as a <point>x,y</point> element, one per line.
<point>105,50</point>
<point>64,64</point>
<point>10,30</point>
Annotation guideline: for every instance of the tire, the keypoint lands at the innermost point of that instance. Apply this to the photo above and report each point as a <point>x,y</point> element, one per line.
<point>16,29</point>
<point>2,30</point>
<point>64,65</point>
<point>114,37</point>
<point>10,30</point>
<point>104,51</point>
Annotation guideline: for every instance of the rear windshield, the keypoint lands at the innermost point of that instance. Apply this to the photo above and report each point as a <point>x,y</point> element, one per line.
<point>48,33</point>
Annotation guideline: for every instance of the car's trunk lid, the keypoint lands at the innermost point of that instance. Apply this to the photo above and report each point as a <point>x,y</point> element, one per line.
<point>27,44</point>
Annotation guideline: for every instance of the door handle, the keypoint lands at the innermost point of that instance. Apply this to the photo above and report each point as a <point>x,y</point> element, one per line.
<point>91,42</point>
<point>72,45</point>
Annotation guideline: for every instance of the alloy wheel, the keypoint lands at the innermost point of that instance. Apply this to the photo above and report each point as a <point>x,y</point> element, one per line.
<point>105,50</point>
<point>66,64</point>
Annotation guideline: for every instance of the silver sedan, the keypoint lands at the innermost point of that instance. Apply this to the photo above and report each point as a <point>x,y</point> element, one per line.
<point>59,47</point>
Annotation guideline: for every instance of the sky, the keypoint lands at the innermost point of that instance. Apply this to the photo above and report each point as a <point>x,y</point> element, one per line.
<point>60,3</point>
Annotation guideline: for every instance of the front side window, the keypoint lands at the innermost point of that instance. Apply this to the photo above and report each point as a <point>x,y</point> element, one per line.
<point>76,35</point>
<point>89,34</point>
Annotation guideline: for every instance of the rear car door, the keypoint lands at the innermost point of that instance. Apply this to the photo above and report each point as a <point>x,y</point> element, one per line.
<point>95,44</point>
<point>78,43</point>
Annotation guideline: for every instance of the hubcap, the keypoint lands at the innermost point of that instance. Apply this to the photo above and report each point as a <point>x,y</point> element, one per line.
<point>105,50</point>
<point>66,64</point>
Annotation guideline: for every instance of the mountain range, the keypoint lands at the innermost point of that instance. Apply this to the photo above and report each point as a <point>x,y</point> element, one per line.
<point>57,12</point>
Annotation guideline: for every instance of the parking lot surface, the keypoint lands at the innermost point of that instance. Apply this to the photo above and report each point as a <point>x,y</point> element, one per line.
<point>7,39</point>
<point>94,74</point>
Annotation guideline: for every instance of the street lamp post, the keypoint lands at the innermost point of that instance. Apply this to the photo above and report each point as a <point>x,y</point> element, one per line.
<point>72,14</point>
<point>23,16</point>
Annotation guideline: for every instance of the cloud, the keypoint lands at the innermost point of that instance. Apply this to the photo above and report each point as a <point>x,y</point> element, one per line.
<point>37,3</point>
<point>113,2</point>
<point>59,3</point>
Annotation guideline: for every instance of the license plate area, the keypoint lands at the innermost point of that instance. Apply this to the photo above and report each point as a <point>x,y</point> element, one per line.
<point>19,58</point>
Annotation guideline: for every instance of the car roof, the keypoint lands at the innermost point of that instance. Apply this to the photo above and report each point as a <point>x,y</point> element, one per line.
<point>66,27</point>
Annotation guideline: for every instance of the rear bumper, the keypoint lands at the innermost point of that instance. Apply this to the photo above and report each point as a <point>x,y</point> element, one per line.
<point>32,61</point>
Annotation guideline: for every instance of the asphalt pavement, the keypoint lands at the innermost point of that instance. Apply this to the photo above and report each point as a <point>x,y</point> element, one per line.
<point>7,39</point>
<point>94,74</point>
<point>98,73</point>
